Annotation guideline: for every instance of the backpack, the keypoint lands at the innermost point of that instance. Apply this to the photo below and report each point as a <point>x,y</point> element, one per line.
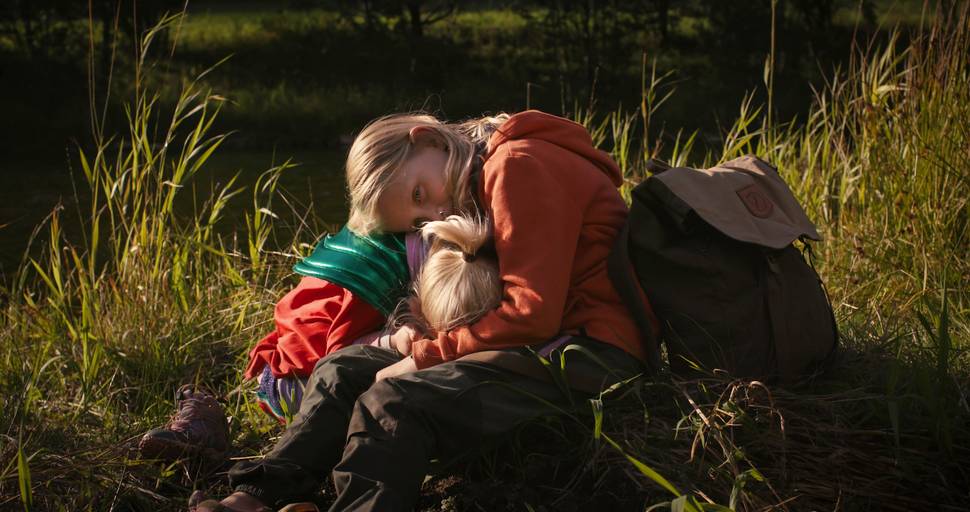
<point>712,250</point>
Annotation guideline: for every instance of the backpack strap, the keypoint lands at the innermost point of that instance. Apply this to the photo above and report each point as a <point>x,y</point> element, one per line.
<point>624,280</point>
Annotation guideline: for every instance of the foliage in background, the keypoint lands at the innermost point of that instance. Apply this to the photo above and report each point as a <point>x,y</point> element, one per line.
<point>102,327</point>
<point>349,61</point>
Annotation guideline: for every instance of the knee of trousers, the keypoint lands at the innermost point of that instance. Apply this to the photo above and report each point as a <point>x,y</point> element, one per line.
<point>347,362</point>
<point>342,373</point>
<point>384,411</point>
<point>331,369</point>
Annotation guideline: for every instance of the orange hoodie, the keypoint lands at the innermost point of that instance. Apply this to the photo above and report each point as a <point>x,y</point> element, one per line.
<point>555,210</point>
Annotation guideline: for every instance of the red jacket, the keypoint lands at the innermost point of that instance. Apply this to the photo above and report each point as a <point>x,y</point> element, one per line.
<point>556,211</point>
<point>312,320</point>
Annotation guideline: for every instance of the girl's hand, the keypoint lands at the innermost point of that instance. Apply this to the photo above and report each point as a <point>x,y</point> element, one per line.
<point>401,367</point>
<point>403,338</point>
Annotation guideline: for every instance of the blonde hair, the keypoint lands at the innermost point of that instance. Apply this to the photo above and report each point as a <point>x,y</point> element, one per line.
<point>459,282</point>
<point>384,145</point>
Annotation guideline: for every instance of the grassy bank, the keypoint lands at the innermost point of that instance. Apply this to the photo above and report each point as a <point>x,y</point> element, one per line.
<point>96,333</point>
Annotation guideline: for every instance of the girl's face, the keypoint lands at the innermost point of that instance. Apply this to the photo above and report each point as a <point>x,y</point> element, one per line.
<point>417,193</point>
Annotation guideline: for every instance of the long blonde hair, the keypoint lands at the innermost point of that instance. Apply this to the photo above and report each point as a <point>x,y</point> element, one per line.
<point>459,281</point>
<point>385,144</point>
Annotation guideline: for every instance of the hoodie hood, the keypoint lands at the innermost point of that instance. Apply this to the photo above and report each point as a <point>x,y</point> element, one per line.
<point>533,124</point>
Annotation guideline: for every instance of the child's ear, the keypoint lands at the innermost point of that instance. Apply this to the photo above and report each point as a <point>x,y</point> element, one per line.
<point>426,136</point>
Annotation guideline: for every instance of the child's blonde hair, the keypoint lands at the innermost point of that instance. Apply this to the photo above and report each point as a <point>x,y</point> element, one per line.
<point>385,144</point>
<point>459,281</point>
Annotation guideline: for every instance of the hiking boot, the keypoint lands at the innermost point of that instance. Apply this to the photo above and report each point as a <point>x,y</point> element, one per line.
<point>198,429</point>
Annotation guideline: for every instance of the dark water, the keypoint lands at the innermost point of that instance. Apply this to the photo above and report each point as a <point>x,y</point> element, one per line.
<point>33,186</point>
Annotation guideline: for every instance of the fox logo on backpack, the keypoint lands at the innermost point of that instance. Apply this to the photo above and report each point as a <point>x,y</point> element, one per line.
<point>712,250</point>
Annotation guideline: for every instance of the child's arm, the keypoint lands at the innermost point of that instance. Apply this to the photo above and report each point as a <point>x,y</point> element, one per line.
<point>399,340</point>
<point>312,320</point>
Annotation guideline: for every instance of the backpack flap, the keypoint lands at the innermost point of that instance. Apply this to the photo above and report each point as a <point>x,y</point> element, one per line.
<point>745,199</point>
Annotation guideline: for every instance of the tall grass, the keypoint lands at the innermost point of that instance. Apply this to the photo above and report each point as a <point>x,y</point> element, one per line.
<point>882,165</point>
<point>98,332</point>
<point>99,327</point>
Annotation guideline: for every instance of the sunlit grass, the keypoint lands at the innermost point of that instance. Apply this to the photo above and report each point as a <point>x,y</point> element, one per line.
<point>99,328</point>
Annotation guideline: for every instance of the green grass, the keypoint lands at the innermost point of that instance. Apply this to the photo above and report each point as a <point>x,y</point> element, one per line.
<point>108,316</point>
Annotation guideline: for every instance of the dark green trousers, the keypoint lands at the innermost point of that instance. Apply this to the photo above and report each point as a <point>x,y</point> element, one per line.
<point>378,438</point>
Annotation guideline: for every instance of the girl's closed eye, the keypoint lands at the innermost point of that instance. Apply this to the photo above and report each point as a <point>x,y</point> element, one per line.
<point>417,196</point>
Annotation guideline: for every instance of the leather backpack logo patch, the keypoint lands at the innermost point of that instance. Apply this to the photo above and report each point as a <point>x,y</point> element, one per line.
<point>756,201</point>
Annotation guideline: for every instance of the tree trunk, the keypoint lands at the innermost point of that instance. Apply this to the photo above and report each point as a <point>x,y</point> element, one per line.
<point>29,34</point>
<point>663,18</point>
<point>592,57</point>
<point>417,25</point>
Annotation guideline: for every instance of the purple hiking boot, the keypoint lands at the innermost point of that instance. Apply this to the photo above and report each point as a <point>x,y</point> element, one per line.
<point>197,430</point>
